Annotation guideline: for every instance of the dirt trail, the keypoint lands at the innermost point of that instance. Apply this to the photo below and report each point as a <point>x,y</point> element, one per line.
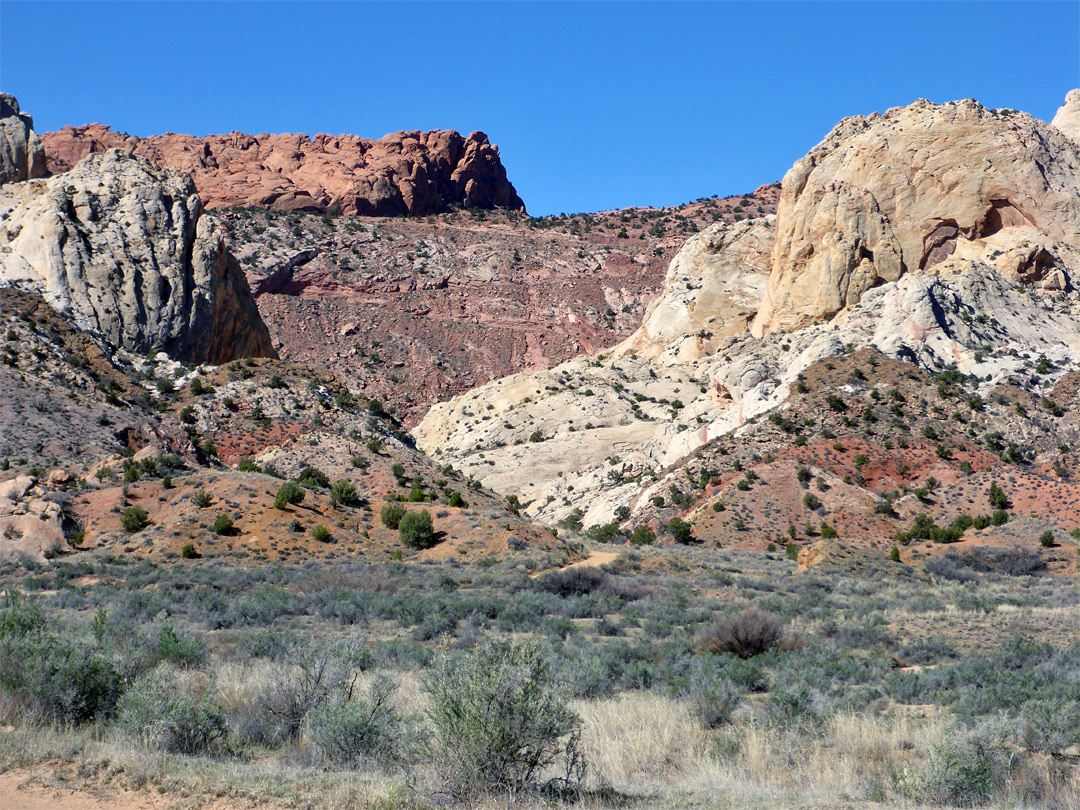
<point>20,791</point>
<point>594,560</point>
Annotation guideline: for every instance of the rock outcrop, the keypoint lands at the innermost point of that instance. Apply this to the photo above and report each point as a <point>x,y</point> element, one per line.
<point>713,289</point>
<point>886,195</point>
<point>1068,116</point>
<point>22,157</point>
<point>120,247</point>
<point>31,525</point>
<point>413,173</point>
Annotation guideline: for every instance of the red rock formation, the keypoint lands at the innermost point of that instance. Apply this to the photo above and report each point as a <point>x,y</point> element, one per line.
<point>414,173</point>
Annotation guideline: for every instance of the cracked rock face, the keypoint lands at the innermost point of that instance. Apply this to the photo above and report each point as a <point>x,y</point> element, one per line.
<point>886,195</point>
<point>120,247</point>
<point>22,156</point>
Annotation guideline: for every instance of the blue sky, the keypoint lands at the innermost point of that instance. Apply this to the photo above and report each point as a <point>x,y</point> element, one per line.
<point>594,105</point>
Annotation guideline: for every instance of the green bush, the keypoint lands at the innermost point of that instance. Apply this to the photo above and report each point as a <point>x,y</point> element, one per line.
<point>321,533</point>
<point>416,531</point>
<point>202,499</point>
<point>392,514</point>
<point>499,719</point>
<point>224,525</point>
<point>58,678</point>
<point>179,648</point>
<point>642,536</point>
<point>343,492</point>
<point>312,477</point>
<point>134,519</point>
<point>457,501</point>
<point>681,531</point>
<point>247,465</point>
<point>289,493</point>
<point>188,552</point>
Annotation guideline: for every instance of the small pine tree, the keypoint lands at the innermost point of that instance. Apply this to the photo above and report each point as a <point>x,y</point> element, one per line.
<point>416,530</point>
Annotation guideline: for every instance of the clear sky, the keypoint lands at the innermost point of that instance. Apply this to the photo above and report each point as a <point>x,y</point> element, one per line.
<point>594,105</point>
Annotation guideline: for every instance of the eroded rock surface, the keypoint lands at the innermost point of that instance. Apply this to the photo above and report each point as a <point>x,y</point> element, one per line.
<point>886,195</point>
<point>121,247</point>
<point>1068,116</point>
<point>414,173</point>
<point>22,156</point>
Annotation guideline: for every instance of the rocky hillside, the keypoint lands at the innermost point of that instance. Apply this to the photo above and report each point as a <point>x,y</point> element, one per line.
<point>143,456</point>
<point>412,311</point>
<point>404,173</point>
<point>990,321</point>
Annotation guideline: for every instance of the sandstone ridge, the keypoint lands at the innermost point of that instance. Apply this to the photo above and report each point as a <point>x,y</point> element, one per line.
<point>121,247</point>
<point>405,173</point>
<point>885,195</point>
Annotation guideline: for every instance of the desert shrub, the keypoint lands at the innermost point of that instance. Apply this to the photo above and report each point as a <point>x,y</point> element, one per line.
<point>571,582</point>
<point>162,711</point>
<point>179,647</point>
<point>202,499</point>
<point>343,492</point>
<point>224,525</point>
<point>312,477</point>
<point>134,519</point>
<point>72,683</point>
<point>289,493</point>
<point>997,497</point>
<point>681,531</point>
<point>745,634</point>
<point>416,531</point>
<point>308,675</point>
<point>363,730</point>
<point>391,515</point>
<point>965,770</point>
<point>247,465</point>
<point>642,536</point>
<point>321,533</point>
<point>457,500</point>
<point>499,719</point>
<point>54,675</point>
<point>188,552</point>
<point>714,699</point>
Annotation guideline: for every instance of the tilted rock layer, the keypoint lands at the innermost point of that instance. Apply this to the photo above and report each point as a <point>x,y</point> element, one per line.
<point>120,247</point>
<point>886,195</point>
<point>22,156</point>
<point>414,173</point>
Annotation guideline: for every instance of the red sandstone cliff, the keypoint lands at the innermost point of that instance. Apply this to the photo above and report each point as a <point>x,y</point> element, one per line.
<point>413,173</point>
